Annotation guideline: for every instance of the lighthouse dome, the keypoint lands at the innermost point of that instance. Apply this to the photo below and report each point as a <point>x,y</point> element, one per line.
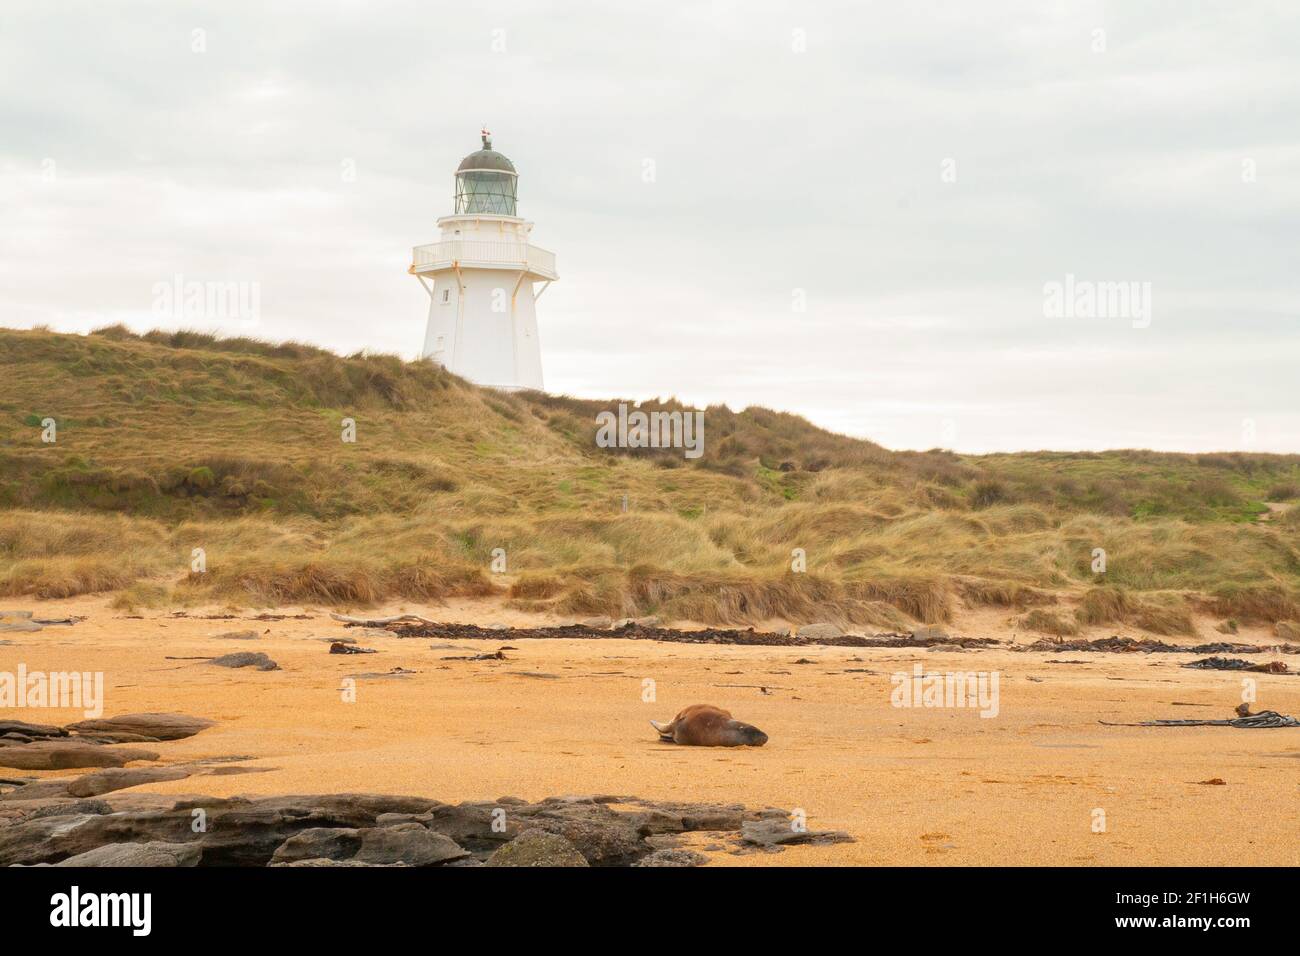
<point>486,182</point>
<point>486,158</point>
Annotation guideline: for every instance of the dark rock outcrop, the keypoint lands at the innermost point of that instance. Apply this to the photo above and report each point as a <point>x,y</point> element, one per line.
<point>369,829</point>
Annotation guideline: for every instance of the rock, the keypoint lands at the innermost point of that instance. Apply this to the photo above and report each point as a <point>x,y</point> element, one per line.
<point>537,848</point>
<point>1287,630</point>
<point>137,854</point>
<point>67,755</point>
<point>117,738</point>
<point>929,632</point>
<point>118,778</point>
<point>396,819</point>
<point>604,838</point>
<point>597,623</point>
<point>695,816</point>
<point>237,636</point>
<point>47,839</point>
<point>357,829</point>
<point>31,730</point>
<point>152,725</point>
<point>63,808</point>
<point>17,621</point>
<point>408,843</point>
<point>672,857</point>
<point>319,843</point>
<point>778,832</point>
<point>246,659</point>
<point>241,832</point>
<point>37,790</point>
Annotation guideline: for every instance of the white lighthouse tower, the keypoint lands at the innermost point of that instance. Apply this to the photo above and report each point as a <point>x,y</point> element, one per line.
<point>481,278</point>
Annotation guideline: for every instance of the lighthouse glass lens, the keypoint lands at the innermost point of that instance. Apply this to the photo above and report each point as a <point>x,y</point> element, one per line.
<point>487,192</point>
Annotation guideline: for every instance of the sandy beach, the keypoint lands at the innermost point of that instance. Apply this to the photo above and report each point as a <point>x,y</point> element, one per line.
<point>913,786</point>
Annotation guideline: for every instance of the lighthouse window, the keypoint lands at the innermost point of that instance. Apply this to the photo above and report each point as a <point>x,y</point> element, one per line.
<point>446,295</point>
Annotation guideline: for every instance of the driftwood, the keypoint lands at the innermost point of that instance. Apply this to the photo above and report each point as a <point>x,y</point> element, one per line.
<point>380,621</point>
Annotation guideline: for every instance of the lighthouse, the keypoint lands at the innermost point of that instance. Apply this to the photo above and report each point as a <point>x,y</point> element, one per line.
<point>484,278</point>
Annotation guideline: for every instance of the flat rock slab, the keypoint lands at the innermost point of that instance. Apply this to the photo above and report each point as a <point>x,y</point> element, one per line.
<point>31,730</point>
<point>17,625</point>
<point>151,725</point>
<point>119,778</point>
<point>781,833</point>
<point>68,755</point>
<point>137,854</point>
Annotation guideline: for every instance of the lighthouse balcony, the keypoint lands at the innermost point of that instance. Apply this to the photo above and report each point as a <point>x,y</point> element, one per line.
<point>484,254</point>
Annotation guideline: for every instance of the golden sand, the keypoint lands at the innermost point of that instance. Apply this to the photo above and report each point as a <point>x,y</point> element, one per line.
<point>913,786</point>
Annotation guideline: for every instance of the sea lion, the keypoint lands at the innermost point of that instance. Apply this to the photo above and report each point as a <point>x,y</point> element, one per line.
<point>703,725</point>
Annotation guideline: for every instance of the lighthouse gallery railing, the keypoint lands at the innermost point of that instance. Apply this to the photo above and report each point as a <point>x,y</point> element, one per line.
<point>482,252</point>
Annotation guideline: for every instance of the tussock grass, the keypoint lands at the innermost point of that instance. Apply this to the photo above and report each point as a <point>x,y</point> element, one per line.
<point>170,441</point>
<point>979,593</point>
<point>1049,622</point>
<point>1254,603</point>
<point>1157,613</point>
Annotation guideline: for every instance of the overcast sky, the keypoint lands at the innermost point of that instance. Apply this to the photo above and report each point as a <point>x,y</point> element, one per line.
<point>912,176</point>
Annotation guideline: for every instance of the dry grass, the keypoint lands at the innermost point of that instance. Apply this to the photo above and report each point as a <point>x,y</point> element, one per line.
<point>174,441</point>
<point>1048,622</point>
<point>1157,613</point>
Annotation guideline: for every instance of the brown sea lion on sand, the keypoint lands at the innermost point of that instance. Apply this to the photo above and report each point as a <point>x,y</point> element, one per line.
<point>703,725</point>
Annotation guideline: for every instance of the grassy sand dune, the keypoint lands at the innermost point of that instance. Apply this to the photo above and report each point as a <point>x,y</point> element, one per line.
<point>174,441</point>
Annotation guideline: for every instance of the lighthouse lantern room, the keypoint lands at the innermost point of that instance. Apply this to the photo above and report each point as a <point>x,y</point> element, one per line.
<point>483,279</point>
